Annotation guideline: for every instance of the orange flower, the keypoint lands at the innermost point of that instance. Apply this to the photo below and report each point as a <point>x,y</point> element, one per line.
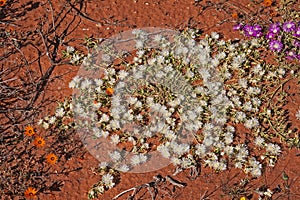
<point>235,15</point>
<point>29,131</point>
<point>30,192</point>
<point>52,158</point>
<point>109,91</point>
<point>267,3</point>
<point>273,13</point>
<point>39,141</point>
<point>2,3</point>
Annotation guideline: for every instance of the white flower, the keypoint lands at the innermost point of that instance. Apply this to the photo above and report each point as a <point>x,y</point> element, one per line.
<point>138,104</point>
<point>98,82</point>
<point>251,123</point>
<point>238,165</point>
<point>115,156</point>
<point>91,193</point>
<point>230,129</point>
<point>254,167</point>
<point>128,116</point>
<point>256,172</point>
<point>243,83</point>
<point>190,74</point>
<point>256,101</point>
<point>164,151</point>
<point>111,71</point>
<point>70,49</point>
<point>208,127</point>
<point>132,100</point>
<point>297,115</point>
<point>201,150</point>
<point>139,44</point>
<point>170,134</point>
<point>174,103</point>
<point>192,115</point>
<point>228,138</point>
<point>85,84</point>
<point>186,163</point>
<point>208,141</point>
<point>107,180</point>
<point>97,105</point>
<point>135,160</point>
<point>229,150</point>
<point>97,132</point>
<point>104,118</point>
<point>72,84</point>
<point>240,116</point>
<point>215,62</point>
<point>248,106</point>
<point>115,124</point>
<point>116,101</point>
<point>75,58</point>
<point>52,120</point>
<point>221,55</point>
<point>242,152</point>
<point>123,74</point>
<point>179,149</point>
<point>218,166</point>
<point>143,158</point>
<point>175,161</point>
<point>59,112</point>
<point>268,193</point>
<point>158,38</point>
<point>215,35</point>
<point>201,90</point>
<point>273,149</point>
<point>111,81</point>
<point>106,58</point>
<point>257,69</point>
<point>100,189</point>
<point>281,71</point>
<point>103,165</point>
<point>123,168</point>
<point>45,125</point>
<point>115,139</point>
<point>259,141</point>
<point>238,60</point>
<point>40,122</point>
<point>105,134</point>
<point>139,117</point>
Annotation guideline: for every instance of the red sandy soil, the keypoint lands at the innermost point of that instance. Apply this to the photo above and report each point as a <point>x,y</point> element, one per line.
<point>106,18</point>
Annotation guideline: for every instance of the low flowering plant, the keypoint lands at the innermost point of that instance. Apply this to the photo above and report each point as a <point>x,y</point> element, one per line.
<point>280,38</point>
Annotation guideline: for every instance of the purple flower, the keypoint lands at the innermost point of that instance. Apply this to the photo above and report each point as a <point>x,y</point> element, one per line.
<point>257,34</point>
<point>237,27</point>
<point>275,45</point>
<point>290,55</point>
<point>270,36</point>
<point>274,28</point>
<point>249,30</point>
<point>257,27</point>
<point>296,43</point>
<point>297,32</point>
<point>289,26</point>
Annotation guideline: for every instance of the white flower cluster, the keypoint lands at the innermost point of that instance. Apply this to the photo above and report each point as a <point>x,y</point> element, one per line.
<point>201,89</point>
<point>63,110</point>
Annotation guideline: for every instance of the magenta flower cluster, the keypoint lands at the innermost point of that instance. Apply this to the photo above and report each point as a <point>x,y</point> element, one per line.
<point>280,37</point>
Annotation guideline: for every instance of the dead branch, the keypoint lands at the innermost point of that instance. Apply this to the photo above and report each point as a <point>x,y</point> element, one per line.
<point>152,187</point>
